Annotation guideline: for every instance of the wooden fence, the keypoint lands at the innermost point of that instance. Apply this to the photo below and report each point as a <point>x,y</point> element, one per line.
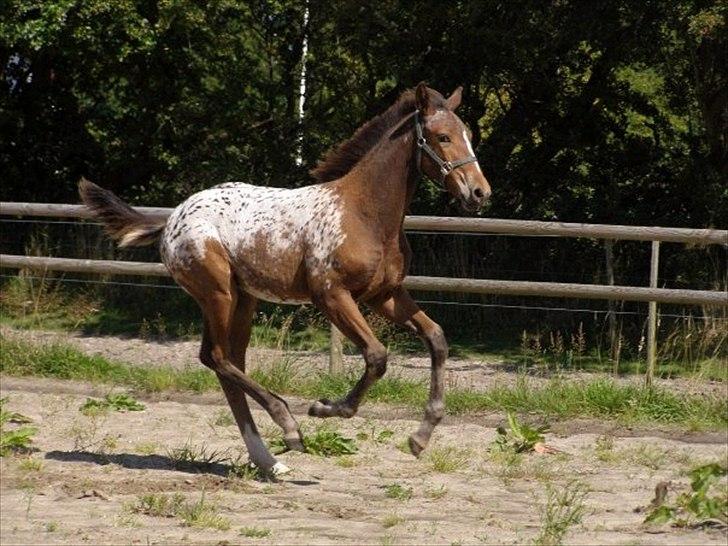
<point>650,294</point>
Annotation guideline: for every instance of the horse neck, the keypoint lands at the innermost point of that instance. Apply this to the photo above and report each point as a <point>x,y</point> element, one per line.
<point>383,184</point>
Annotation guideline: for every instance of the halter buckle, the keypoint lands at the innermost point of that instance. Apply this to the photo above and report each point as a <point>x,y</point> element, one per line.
<point>446,168</point>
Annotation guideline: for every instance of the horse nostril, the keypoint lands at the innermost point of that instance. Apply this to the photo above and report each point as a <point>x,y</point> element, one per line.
<point>478,193</point>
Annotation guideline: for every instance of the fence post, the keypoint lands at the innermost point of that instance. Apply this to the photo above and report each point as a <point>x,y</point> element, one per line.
<point>652,317</point>
<point>336,352</point>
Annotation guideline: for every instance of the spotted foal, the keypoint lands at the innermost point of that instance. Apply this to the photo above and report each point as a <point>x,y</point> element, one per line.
<point>335,244</point>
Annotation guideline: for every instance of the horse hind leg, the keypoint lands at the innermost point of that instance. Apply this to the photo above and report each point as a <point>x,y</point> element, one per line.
<point>240,327</point>
<point>212,285</point>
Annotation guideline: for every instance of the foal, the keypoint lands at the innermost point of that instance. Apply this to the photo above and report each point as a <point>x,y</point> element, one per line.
<point>334,244</point>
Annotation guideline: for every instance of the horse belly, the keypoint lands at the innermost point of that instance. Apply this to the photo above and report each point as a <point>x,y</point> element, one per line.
<point>271,274</point>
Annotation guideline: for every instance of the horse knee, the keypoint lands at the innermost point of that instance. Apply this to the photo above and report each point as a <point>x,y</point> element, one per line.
<point>435,338</point>
<point>376,359</point>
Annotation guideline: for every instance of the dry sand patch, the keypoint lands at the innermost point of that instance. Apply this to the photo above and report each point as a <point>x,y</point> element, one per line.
<point>95,468</point>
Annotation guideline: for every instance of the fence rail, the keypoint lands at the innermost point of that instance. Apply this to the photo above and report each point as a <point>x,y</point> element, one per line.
<point>651,294</point>
<point>449,224</point>
<point>426,284</point>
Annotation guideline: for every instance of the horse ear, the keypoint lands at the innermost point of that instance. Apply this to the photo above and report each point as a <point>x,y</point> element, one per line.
<point>453,101</point>
<point>422,99</point>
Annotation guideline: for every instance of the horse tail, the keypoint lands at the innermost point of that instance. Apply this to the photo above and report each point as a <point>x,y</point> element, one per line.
<point>123,223</point>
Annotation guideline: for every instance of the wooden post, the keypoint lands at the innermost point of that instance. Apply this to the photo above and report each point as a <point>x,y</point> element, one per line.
<point>336,354</point>
<point>652,317</point>
<point>614,334</point>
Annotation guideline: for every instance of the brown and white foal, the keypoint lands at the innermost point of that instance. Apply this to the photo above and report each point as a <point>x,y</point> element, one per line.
<point>335,244</point>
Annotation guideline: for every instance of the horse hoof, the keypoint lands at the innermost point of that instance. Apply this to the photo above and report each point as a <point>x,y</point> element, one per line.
<point>279,469</point>
<point>320,408</point>
<point>295,443</point>
<point>415,446</point>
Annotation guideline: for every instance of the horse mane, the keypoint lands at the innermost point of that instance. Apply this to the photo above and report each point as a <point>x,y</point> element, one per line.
<point>340,159</point>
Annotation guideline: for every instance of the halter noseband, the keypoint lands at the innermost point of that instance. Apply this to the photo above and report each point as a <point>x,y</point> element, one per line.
<point>446,167</point>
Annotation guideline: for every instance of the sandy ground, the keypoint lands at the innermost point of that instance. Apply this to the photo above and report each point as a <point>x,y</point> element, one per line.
<point>83,480</point>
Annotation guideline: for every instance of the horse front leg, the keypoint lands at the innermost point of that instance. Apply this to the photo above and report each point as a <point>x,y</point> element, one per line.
<point>401,309</point>
<point>343,312</point>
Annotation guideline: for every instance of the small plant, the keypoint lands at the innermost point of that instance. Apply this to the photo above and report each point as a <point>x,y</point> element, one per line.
<point>697,506</point>
<point>31,465</point>
<point>158,505</point>
<point>113,402</point>
<point>190,456</point>
<point>396,491</point>
<point>447,459</point>
<point>254,532</point>
<point>564,507</point>
<point>324,442</point>
<point>51,526</point>
<point>146,448</point>
<point>246,471</point>
<point>519,437</point>
<point>16,439</point>
<point>391,520</point>
<point>604,448</point>
<point>202,514</point>
<point>436,492</point>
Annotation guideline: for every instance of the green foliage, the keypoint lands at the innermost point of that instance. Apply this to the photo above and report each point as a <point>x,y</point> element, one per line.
<point>14,439</point>
<point>254,532</point>
<point>324,442</point>
<point>519,437</point>
<point>697,506</point>
<point>200,514</point>
<point>115,402</point>
<point>397,491</point>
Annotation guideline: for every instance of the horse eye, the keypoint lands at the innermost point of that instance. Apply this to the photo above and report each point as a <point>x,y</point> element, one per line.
<point>443,138</point>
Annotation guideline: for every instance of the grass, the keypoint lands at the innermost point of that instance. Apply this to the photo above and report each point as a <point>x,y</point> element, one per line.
<point>190,456</point>
<point>447,459</point>
<point>564,508</point>
<point>557,398</point>
<point>391,520</point>
<point>254,532</point>
<point>201,514</point>
<point>397,491</point>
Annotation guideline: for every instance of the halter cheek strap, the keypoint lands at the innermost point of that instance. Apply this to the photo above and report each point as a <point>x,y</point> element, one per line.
<point>446,167</point>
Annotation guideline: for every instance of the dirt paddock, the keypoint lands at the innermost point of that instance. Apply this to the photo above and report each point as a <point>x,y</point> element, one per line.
<point>91,470</point>
<point>87,476</point>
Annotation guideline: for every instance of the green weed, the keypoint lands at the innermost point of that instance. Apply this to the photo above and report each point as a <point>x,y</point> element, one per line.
<point>697,506</point>
<point>518,437</point>
<point>14,439</point>
<point>397,491</point>
<point>111,402</point>
<point>254,532</point>
<point>447,459</point>
<point>324,442</point>
<point>564,507</point>
<point>190,456</point>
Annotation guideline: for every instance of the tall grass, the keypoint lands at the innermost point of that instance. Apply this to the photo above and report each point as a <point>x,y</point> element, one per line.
<point>556,398</point>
